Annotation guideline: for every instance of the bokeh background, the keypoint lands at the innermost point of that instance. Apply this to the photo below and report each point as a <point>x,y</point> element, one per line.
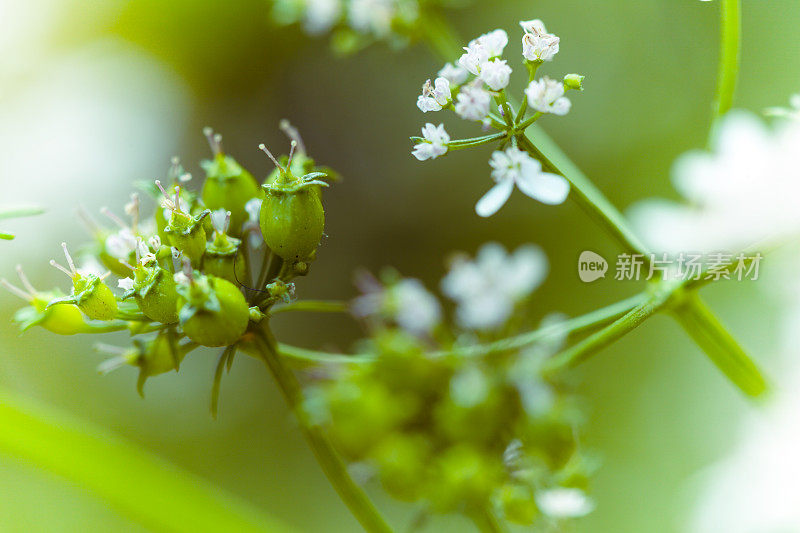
<point>96,95</point>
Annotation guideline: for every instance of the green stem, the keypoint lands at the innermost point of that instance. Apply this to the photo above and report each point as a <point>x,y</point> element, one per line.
<point>333,466</point>
<point>20,212</point>
<point>143,487</point>
<point>522,127</point>
<point>597,341</point>
<point>487,522</point>
<point>575,325</point>
<point>730,51</point>
<point>723,350</point>
<point>314,306</point>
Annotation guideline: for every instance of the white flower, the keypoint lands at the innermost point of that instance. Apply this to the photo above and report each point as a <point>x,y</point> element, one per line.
<point>537,44</point>
<point>494,42</point>
<point>219,220</point>
<point>121,244</point>
<point>145,255</point>
<point>496,74</point>
<point>793,112</point>
<point>564,503</point>
<point>472,102</point>
<point>475,55</point>
<point>487,289</point>
<point>125,284</point>
<point>405,302</point>
<point>180,278</point>
<point>434,95</point>
<point>371,16</point>
<point>744,192</point>
<point>251,227</point>
<point>547,96</point>
<point>515,167</point>
<point>91,267</point>
<point>455,74</point>
<point>436,145</point>
<point>154,242</point>
<point>321,15</point>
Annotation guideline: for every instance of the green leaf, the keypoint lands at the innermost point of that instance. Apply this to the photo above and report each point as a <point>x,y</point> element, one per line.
<point>720,346</point>
<point>147,489</point>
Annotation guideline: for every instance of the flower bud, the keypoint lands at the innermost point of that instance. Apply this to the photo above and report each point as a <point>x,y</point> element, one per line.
<point>574,81</point>
<point>213,311</point>
<point>227,186</point>
<point>292,219</point>
<point>155,293</point>
<point>184,231</point>
<point>89,293</point>
<point>518,504</point>
<point>223,257</point>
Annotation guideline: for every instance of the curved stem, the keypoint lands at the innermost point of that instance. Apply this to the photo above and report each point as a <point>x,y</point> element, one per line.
<point>333,466</point>
<point>730,50</point>
<point>130,479</point>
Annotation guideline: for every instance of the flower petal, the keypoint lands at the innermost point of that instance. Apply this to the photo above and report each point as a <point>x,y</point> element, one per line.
<point>548,188</point>
<point>493,200</point>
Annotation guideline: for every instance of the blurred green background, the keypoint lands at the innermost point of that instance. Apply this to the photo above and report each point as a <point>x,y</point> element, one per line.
<point>96,95</point>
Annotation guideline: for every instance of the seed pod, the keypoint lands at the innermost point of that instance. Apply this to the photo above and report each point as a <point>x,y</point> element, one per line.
<point>89,293</point>
<point>227,186</point>
<point>64,319</point>
<point>223,257</point>
<point>156,293</point>
<point>213,311</point>
<point>292,218</point>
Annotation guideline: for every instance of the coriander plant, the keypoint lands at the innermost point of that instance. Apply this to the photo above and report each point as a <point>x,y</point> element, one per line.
<point>464,412</point>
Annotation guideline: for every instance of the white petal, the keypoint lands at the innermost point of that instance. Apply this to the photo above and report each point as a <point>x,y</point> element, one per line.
<point>493,200</point>
<point>548,188</point>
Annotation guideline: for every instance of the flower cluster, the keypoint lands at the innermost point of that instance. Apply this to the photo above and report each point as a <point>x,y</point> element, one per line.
<point>184,275</point>
<point>458,431</point>
<point>475,83</point>
<point>357,23</point>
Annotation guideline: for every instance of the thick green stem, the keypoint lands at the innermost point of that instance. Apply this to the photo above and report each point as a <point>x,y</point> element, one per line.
<point>333,466</point>
<point>723,350</point>
<point>730,50</point>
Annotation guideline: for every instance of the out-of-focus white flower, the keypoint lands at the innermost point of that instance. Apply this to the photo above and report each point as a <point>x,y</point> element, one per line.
<point>469,387</point>
<point>537,44</point>
<point>91,266</point>
<point>455,74</point>
<point>562,503</point>
<point>434,95</point>
<point>547,96</point>
<point>487,289</point>
<point>436,145</point>
<point>125,284</point>
<point>515,167</point>
<point>496,74</point>
<point>406,302</point>
<point>792,112</point>
<point>321,15</point>
<point>472,102</point>
<point>180,278</point>
<point>742,193</point>
<point>371,16</point>
<point>121,244</point>
<point>251,227</point>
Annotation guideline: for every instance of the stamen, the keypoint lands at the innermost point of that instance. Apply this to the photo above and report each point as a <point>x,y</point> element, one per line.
<point>227,224</point>
<point>214,140</point>
<point>263,148</point>
<point>70,262</point>
<point>25,281</point>
<point>132,209</point>
<point>291,154</point>
<point>114,218</point>
<point>61,268</point>
<point>292,132</point>
<point>84,216</point>
<point>15,290</point>
<point>105,276</point>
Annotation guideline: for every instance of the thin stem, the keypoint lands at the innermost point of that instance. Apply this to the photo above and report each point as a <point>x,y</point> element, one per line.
<point>572,326</point>
<point>333,466</point>
<point>522,127</point>
<point>587,195</point>
<point>597,341</point>
<point>730,51</point>
<point>313,306</point>
<point>20,212</point>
